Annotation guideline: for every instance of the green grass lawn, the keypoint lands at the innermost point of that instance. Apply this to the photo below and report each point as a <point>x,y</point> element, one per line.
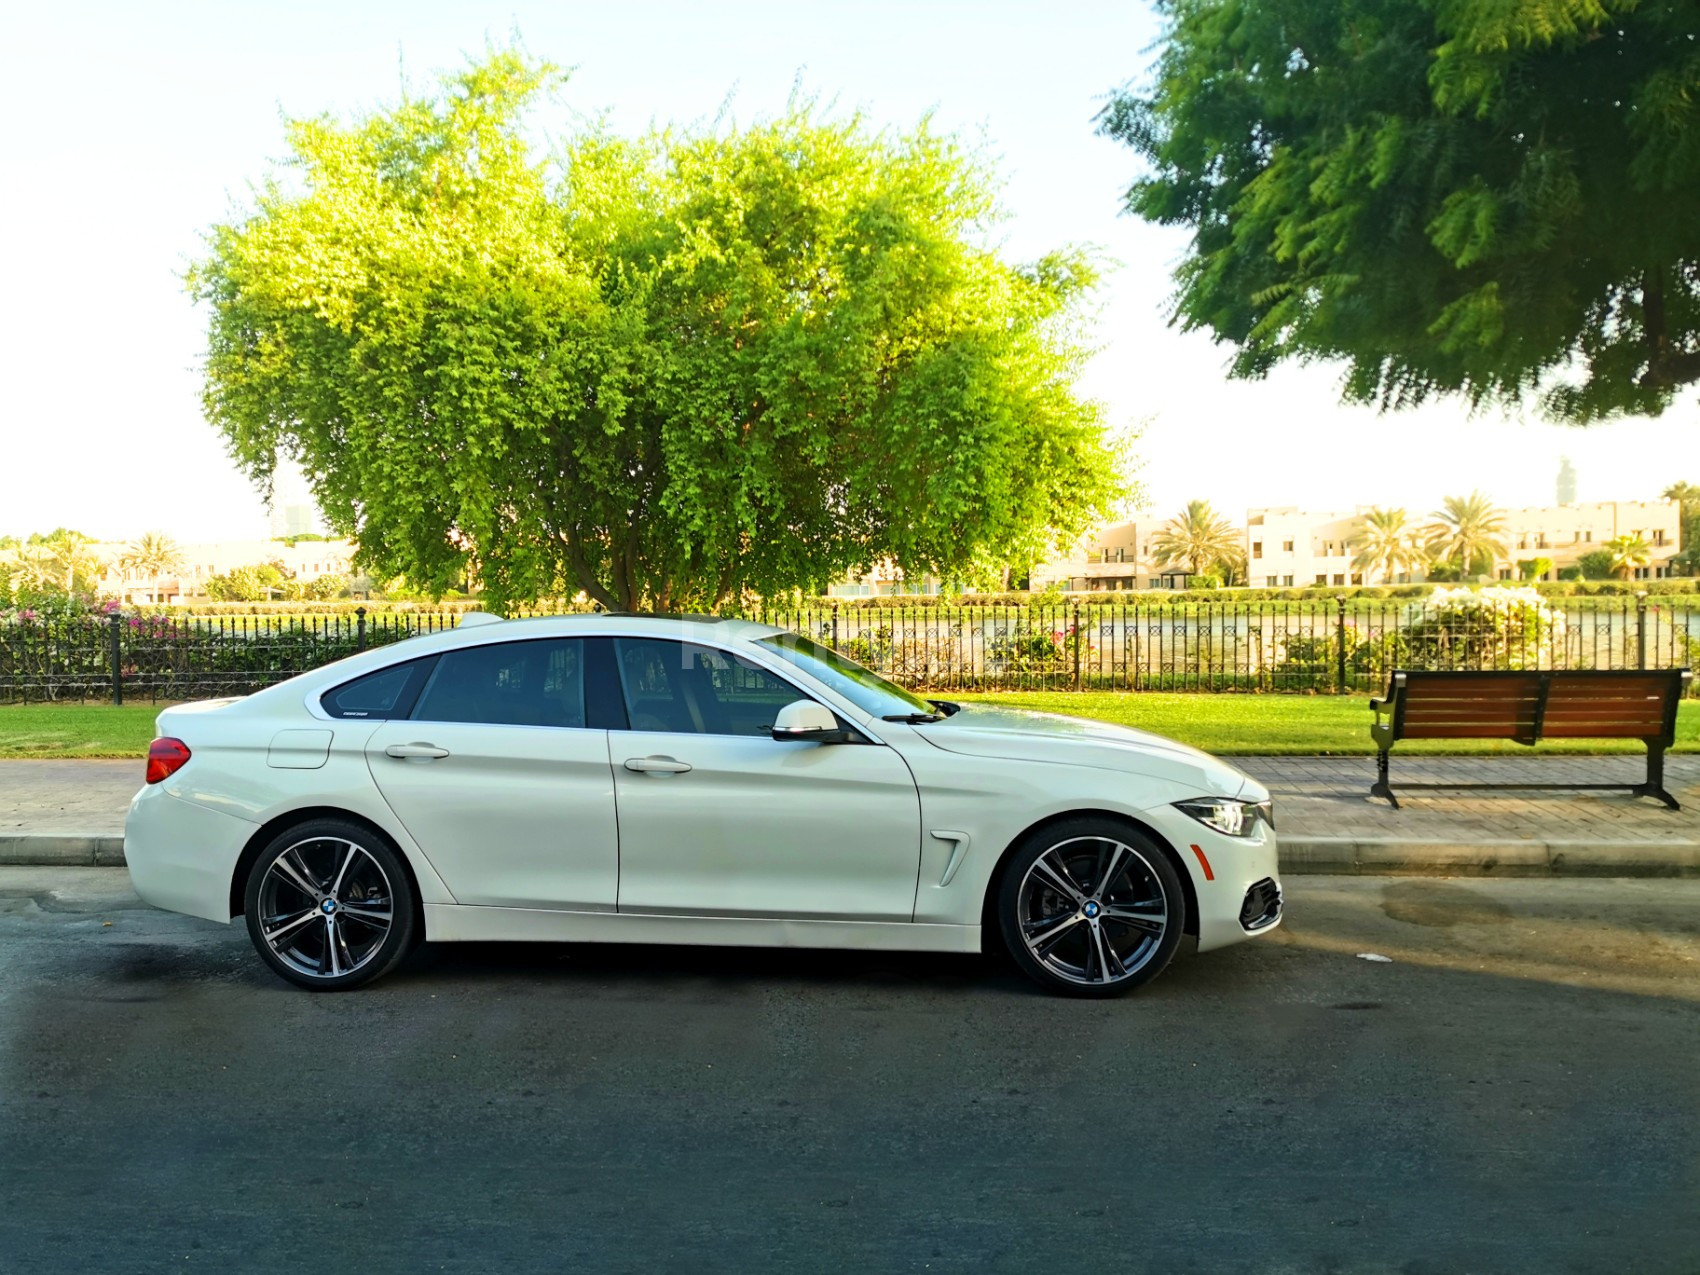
<point>76,730</point>
<point>1219,723</point>
<point>1286,724</point>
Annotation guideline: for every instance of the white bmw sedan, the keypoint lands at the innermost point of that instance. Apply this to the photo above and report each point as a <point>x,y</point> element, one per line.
<point>635,779</point>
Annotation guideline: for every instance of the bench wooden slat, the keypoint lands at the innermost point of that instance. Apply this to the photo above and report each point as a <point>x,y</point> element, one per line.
<point>1466,731</point>
<point>1649,730</point>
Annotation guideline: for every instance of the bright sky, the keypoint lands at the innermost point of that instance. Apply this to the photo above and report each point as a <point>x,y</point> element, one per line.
<point>137,126</point>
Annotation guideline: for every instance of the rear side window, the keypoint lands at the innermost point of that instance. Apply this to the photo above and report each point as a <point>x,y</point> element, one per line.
<point>388,693</point>
<point>535,683</point>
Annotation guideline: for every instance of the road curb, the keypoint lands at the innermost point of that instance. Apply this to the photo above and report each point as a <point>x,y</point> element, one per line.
<point>1420,857</point>
<point>47,850</point>
<point>1300,856</point>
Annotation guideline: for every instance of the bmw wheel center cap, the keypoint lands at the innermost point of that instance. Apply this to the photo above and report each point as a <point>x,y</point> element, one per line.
<point>1091,910</point>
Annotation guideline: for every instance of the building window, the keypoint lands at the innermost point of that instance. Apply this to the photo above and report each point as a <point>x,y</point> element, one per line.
<point>1322,577</point>
<point>1505,573</point>
<point>1588,537</point>
<point>1659,536</point>
<point>1286,546</point>
<point>1339,579</point>
<point>1257,548</point>
<point>1270,582</point>
<point>1357,577</point>
<point>1287,581</point>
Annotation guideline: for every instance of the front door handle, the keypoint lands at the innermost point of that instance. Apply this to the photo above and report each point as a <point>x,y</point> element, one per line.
<point>428,752</point>
<point>658,765</point>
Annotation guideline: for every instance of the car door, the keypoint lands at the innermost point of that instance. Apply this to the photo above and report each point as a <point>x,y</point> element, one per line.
<point>717,818</point>
<point>502,782</point>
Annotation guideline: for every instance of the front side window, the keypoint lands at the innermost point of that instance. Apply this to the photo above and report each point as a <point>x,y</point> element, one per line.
<point>863,687</point>
<point>689,689</point>
<point>537,683</point>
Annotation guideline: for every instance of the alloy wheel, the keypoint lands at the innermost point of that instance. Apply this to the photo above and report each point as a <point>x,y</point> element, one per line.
<point>326,907</point>
<point>1092,911</point>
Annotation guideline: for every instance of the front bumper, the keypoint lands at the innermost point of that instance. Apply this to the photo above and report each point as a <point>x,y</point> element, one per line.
<point>182,856</point>
<point>1236,880</point>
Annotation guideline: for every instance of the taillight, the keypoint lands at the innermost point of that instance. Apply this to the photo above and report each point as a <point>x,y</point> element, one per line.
<point>165,759</point>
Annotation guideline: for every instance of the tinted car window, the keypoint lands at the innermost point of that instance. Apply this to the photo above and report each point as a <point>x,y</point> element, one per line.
<point>387,693</point>
<point>682,687</point>
<point>538,683</point>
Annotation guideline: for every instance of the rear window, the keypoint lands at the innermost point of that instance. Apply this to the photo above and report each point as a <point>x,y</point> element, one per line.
<point>388,693</point>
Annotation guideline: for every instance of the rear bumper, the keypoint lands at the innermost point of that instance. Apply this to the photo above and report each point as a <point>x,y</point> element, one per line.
<point>182,856</point>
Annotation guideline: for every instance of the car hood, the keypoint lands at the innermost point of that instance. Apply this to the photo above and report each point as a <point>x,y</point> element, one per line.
<point>1021,735</point>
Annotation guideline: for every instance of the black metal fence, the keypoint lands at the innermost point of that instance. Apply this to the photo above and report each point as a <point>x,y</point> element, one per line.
<point>1310,646</point>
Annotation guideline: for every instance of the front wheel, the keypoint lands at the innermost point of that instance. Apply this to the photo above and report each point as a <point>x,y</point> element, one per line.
<point>1090,907</point>
<point>329,906</point>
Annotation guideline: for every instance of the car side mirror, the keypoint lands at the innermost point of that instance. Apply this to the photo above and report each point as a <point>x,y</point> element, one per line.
<point>810,722</point>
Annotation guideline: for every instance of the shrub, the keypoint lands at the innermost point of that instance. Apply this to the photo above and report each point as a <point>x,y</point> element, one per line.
<point>1596,565</point>
<point>1493,628</point>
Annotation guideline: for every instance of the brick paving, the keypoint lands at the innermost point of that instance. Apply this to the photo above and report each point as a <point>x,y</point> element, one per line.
<point>1329,797</point>
<point>1325,797</point>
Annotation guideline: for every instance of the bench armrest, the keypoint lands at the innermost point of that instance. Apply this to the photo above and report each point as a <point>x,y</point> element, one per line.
<point>1380,706</point>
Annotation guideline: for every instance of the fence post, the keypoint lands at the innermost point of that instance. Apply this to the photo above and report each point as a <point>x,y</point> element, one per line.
<point>114,632</point>
<point>1075,629</point>
<point>835,628</point>
<point>1340,646</point>
<point>359,628</point>
<point>1641,630</point>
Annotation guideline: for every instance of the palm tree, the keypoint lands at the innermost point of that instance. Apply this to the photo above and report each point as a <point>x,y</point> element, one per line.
<point>1232,566</point>
<point>1468,528</point>
<point>154,555</point>
<point>61,560</point>
<point>1388,544</point>
<point>1196,537</point>
<point>1627,553</point>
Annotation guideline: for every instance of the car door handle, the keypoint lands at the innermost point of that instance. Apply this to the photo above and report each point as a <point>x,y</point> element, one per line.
<point>659,765</point>
<point>425,751</point>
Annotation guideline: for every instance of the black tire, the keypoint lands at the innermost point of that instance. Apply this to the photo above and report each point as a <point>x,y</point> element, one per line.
<point>1090,937</point>
<point>330,906</point>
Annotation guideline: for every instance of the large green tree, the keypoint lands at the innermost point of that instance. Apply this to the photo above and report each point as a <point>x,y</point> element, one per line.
<point>663,370</point>
<point>1488,197</point>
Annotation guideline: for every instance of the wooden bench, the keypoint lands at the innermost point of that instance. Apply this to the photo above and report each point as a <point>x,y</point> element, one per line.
<point>1529,707</point>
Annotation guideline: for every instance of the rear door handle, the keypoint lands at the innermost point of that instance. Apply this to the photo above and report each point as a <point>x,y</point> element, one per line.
<point>659,765</point>
<point>427,752</point>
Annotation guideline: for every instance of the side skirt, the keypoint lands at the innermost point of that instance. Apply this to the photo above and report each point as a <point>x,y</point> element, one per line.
<point>449,923</point>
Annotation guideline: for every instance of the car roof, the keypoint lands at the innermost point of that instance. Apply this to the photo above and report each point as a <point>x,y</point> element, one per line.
<point>698,627</point>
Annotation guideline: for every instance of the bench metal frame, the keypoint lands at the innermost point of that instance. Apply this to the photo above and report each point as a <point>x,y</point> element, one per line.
<point>1387,733</point>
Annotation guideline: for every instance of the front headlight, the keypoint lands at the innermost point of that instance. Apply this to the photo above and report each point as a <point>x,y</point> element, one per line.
<point>1229,817</point>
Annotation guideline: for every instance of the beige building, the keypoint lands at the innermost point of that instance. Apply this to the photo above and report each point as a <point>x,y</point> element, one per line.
<point>1288,547</point>
<point>1119,556</point>
<point>305,561</point>
<point>1565,532</point>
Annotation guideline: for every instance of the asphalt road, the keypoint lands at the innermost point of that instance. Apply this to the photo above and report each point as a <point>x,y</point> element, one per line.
<point>1518,1090</point>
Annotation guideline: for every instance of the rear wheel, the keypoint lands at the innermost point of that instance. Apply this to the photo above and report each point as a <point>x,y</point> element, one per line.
<point>1089,907</point>
<point>329,906</point>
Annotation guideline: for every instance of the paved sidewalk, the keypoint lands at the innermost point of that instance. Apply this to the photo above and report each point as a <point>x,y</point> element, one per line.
<point>73,812</point>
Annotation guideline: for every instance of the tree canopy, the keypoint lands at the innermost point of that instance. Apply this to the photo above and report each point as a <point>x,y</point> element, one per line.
<point>665,369</point>
<point>1492,198</point>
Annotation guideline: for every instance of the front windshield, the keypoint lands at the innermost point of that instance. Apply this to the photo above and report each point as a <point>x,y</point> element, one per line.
<point>864,688</point>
